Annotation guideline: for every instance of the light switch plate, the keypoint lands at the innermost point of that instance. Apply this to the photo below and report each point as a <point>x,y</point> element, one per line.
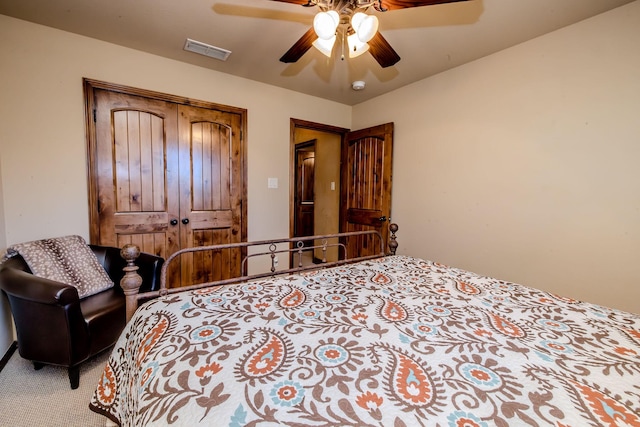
<point>272,183</point>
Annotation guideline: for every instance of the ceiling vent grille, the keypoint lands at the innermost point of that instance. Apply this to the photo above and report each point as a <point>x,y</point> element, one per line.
<point>207,50</point>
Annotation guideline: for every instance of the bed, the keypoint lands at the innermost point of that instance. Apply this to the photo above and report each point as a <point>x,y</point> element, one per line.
<point>386,341</point>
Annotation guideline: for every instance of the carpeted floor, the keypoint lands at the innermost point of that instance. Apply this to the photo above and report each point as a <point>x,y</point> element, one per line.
<point>44,398</point>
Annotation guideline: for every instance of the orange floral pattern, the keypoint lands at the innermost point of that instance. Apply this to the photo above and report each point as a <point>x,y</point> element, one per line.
<point>106,391</point>
<point>392,341</point>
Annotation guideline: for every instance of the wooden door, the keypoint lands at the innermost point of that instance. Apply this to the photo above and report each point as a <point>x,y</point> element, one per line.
<point>167,176</point>
<point>305,190</point>
<point>136,172</point>
<point>211,192</point>
<point>366,186</point>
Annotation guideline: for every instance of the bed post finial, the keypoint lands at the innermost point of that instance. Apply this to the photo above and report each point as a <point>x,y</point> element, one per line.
<point>131,281</point>
<point>393,243</point>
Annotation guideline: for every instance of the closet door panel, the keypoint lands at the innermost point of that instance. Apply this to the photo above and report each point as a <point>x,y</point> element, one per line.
<point>137,176</point>
<point>211,188</point>
<point>167,173</point>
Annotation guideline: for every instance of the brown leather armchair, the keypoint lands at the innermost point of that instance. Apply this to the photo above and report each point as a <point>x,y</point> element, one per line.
<point>54,326</point>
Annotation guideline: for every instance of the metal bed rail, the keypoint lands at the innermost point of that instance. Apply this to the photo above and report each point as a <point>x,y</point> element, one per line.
<point>131,281</point>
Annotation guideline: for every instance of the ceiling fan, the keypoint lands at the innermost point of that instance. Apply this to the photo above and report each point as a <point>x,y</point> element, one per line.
<point>348,20</point>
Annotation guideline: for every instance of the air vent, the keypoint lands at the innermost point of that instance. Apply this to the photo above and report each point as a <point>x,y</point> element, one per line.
<point>207,50</point>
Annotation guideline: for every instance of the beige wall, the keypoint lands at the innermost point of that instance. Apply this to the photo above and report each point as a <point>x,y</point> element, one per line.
<point>327,209</point>
<point>42,132</point>
<point>524,165</point>
<point>6,334</point>
<point>43,135</point>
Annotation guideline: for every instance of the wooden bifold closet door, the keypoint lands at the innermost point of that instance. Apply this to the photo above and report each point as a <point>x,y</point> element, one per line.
<point>166,175</point>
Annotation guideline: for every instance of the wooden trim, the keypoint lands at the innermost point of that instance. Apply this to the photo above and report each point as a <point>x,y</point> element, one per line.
<point>318,126</point>
<point>90,124</point>
<point>90,85</point>
<point>129,90</point>
<point>8,354</point>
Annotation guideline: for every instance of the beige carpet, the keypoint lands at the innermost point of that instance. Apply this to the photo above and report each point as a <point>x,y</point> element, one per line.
<point>44,398</point>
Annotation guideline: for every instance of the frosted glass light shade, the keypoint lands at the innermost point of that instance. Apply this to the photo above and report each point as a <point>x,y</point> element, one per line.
<point>364,25</point>
<point>356,47</point>
<point>325,45</point>
<point>357,19</point>
<point>326,23</point>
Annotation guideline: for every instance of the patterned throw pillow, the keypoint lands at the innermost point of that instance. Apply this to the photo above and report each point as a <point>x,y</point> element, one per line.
<point>67,260</point>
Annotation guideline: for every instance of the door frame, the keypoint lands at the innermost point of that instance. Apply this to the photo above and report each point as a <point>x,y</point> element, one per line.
<point>89,85</point>
<point>304,124</point>
<point>345,135</point>
<point>300,147</point>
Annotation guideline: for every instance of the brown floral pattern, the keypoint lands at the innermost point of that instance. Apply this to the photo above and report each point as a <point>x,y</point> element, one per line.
<point>395,341</point>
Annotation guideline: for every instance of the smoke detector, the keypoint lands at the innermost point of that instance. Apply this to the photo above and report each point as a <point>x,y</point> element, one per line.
<point>358,85</point>
<point>207,50</point>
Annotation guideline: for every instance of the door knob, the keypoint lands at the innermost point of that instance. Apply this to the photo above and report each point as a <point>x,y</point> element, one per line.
<point>173,222</point>
<point>185,221</point>
<point>382,218</point>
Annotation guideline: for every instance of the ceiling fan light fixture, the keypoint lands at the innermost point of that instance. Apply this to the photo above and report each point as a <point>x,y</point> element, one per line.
<point>325,45</point>
<point>365,26</point>
<point>356,47</point>
<point>325,24</point>
<point>357,19</point>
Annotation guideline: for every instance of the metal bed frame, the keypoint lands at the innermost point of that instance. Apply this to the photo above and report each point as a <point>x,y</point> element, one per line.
<point>131,281</point>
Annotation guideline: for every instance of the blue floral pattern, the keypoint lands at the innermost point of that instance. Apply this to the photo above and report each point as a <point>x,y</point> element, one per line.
<point>392,341</point>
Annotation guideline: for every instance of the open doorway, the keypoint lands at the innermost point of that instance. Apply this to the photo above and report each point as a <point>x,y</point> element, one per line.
<point>304,197</point>
<point>315,183</point>
<point>352,181</point>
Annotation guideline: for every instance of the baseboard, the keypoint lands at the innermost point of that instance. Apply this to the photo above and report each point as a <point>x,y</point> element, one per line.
<point>8,354</point>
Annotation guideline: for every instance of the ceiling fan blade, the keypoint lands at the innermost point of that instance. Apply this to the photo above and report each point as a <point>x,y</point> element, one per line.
<point>301,2</point>
<point>382,51</point>
<point>300,47</point>
<point>384,5</point>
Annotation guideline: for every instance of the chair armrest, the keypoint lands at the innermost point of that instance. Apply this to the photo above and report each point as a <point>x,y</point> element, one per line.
<point>49,324</point>
<point>26,286</point>
<point>149,268</point>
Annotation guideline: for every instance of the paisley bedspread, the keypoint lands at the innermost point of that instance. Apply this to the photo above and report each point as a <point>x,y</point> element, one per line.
<point>396,341</point>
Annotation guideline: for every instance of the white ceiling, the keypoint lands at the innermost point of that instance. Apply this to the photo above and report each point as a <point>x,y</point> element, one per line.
<point>429,39</point>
